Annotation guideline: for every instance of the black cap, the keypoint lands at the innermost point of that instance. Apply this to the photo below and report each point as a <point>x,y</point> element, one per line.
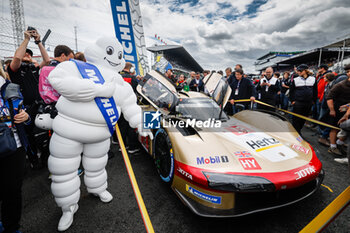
<point>302,67</point>
<point>324,66</point>
<point>30,52</point>
<point>347,67</point>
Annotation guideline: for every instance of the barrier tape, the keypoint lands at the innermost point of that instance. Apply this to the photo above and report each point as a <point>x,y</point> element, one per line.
<point>135,187</point>
<point>291,113</point>
<point>329,213</point>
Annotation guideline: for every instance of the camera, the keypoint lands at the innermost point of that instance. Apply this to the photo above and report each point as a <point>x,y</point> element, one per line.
<point>31,30</point>
<point>264,81</point>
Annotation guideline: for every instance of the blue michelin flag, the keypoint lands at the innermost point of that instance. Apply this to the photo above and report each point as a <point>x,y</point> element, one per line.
<point>124,30</point>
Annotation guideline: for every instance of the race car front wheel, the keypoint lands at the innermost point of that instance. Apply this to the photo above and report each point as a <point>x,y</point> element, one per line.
<point>163,156</point>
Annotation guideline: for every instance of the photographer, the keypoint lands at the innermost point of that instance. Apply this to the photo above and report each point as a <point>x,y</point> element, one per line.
<point>268,88</point>
<point>12,159</point>
<point>24,72</point>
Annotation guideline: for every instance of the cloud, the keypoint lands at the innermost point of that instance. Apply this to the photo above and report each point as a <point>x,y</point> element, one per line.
<point>217,34</point>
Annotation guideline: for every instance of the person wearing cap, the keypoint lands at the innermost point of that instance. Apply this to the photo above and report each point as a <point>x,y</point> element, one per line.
<point>339,95</point>
<point>303,94</point>
<point>24,72</point>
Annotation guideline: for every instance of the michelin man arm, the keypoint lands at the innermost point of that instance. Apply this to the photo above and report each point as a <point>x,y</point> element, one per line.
<point>131,111</point>
<point>74,87</point>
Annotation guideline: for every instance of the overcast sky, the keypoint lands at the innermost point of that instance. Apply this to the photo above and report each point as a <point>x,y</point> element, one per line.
<point>217,34</point>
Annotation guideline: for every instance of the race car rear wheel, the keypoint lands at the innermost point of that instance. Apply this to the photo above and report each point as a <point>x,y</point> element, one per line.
<point>163,156</point>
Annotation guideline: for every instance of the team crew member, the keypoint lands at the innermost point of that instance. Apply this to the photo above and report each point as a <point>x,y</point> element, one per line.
<point>128,77</point>
<point>303,94</point>
<point>242,88</point>
<point>268,87</point>
<point>129,135</point>
<point>12,167</point>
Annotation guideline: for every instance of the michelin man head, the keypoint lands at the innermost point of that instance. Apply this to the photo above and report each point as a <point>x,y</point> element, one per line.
<point>107,52</point>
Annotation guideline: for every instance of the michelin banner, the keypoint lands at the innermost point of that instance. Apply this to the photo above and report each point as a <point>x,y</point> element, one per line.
<point>129,31</point>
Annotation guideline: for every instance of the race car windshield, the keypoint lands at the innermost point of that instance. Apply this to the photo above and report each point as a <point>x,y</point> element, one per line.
<point>158,93</point>
<point>199,109</point>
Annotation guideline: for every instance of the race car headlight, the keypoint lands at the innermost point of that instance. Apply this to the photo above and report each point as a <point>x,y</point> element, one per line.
<point>238,183</point>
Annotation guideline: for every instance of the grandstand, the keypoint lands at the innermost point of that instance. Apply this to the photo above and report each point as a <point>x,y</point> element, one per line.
<point>177,56</point>
<point>271,59</point>
<point>333,53</point>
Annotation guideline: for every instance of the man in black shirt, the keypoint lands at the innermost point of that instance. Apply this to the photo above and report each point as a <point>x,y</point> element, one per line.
<point>129,135</point>
<point>268,87</point>
<point>25,72</point>
<point>303,94</point>
<point>242,88</point>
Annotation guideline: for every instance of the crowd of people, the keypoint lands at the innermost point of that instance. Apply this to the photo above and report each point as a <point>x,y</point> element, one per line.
<point>325,95</point>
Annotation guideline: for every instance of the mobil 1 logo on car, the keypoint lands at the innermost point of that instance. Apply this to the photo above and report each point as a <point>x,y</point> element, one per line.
<point>212,160</point>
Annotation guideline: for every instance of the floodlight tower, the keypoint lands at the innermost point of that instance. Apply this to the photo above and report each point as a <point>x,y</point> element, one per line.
<point>17,17</point>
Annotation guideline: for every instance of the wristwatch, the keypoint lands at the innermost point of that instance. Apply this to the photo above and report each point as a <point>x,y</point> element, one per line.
<point>37,41</point>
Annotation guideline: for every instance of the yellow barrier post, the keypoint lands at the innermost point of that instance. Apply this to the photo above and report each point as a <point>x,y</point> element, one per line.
<point>329,213</point>
<point>135,187</point>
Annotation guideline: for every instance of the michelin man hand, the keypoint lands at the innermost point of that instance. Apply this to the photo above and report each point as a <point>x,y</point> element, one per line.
<point>107,89</point>
<point>145,132</point>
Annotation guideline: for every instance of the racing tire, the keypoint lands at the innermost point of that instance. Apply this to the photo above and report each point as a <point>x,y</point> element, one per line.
<point>163,156</point>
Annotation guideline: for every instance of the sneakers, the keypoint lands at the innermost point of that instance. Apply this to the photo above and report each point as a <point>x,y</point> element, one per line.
<point>324,142</point>
<point>67,217</point>
<point>133,150</point>
<point>105,196</point>
<point>334,151</point>
<point>342,160</point>
<point>341,134</point>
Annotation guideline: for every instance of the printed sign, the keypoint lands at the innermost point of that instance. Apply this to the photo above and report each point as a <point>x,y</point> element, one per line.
<point>249,164</point>
<point>151,120</point>
<point>124,30</point>
<point>300,148</point>
<point>239,129</point>
<point>243,154</point>
<point>203,196</point>
<point>304,172</point>
<point>212,160</point>
<point>184,173</point>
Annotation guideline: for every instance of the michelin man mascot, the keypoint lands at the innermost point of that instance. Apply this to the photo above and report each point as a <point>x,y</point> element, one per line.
<point>93,95</point>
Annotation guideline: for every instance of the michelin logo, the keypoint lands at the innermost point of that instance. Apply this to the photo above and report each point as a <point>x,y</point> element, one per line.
<point>151,120</point>
<point>203,196</point>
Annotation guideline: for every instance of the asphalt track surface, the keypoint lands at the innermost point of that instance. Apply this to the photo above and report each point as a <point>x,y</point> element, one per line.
<point>166,211</point>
